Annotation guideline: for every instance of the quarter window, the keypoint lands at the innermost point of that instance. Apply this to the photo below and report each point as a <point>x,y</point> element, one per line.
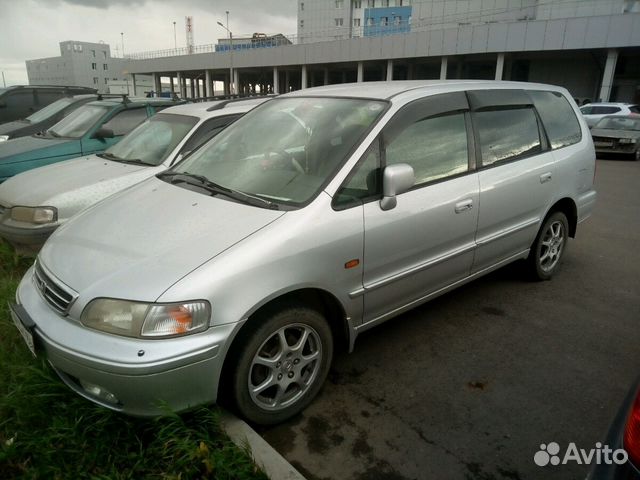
<point>507,134</point>
<point>125,121</point>
<point>557,116</point>
<point>435,147</point>
<point>364,181</point>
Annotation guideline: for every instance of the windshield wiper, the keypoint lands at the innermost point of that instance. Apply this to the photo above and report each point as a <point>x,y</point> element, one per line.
<point>115,158</point>
<point>205,183</point>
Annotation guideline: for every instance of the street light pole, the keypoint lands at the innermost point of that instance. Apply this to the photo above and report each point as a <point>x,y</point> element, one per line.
<point>175,39</point>
<point>122,38</point>
<point>231,79</point>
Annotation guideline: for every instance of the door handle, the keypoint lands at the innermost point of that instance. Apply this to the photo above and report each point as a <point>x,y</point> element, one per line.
<point>545,177</point>
<point>464,205</point>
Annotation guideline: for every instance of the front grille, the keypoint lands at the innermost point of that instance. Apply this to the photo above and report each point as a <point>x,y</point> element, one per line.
<point>58,297</point>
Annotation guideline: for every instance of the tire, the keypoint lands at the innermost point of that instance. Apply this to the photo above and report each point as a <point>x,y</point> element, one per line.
<point>549,247</point>
<point>290,375</point>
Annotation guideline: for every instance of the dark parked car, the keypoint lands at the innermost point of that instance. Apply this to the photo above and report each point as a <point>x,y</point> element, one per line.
<point>43,118</point>
<point>623,433</point>
<point>618,134</point>
<point>20,101</point>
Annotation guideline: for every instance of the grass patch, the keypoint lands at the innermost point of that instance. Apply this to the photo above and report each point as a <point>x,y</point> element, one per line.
<point>47,431</point>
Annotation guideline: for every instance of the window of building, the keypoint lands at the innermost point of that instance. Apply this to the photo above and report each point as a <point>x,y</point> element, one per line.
<point>435,147</point>
<point>301,5</point>
<point>104,54</point>
<point>106,80</point>
<point>339,3</point>
<point>371,3</point>
<point>93,53</point>
<point>357,3</point>
<point>370,21</point>
<point>105,67</point>
<point>95,80</point>
<point>339,22</point>
<point>397,20</point>
<point>384,21</point>
<point>558,118</point>
<point>507,134</point>
<point>301,23</point>
<point>94,66</point>
<point>385,3</point>
<point>356,22</point>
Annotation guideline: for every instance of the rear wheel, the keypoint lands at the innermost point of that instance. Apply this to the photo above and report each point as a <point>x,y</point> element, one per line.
<point>549,246</point>
<point>282,365</point>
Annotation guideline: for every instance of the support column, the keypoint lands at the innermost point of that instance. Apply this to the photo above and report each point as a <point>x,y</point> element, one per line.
<point>360,76</point>
<point>444,65</point>
<point>157,86</point>
<point>133,80</point>
<point>326,76</point>
<point>179,81</point>
<point>608,75</point>
<point>192,87</point>
<point>287,81</point>
<point>236,81</point>
<point>276,81</point>
<point>500,66</point>
<point>389,70</point>
<point>197,87</point>
<point>208,84</point>
<point>171,86</point>
<point>411,71</point>
<point>303,83</point>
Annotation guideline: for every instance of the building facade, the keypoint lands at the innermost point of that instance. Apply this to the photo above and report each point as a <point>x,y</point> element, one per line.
<point>80,63</point>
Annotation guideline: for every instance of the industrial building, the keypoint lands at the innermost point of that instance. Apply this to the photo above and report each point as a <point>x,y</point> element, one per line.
<point>591,47</point>
<point>84,64</point>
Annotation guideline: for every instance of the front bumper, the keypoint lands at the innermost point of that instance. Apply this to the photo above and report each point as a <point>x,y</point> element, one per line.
<point>141,377</point>
<point>26,237</point>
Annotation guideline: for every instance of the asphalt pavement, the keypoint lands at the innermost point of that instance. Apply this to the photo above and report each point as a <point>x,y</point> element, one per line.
<point>471,384</point>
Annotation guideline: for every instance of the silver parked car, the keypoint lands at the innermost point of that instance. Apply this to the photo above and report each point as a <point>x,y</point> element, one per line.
<point>618,134</point>
<point>594,112</point>
<point>313,218</point>
<point>34,203</point>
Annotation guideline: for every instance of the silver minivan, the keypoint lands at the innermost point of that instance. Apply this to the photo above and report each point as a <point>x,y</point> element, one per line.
<point>316,216</point>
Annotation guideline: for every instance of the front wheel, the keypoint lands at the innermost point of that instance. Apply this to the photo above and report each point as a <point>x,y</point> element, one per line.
<point>548,247</point>
<point>282,365</point>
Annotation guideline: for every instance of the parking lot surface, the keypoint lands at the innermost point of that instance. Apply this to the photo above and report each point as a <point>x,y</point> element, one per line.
<point>471,384</point>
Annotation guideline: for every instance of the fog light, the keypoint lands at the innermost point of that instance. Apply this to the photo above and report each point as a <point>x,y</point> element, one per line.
<point>99,392</point>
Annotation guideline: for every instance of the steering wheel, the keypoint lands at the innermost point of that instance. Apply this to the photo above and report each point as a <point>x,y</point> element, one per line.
<point>285,158</point>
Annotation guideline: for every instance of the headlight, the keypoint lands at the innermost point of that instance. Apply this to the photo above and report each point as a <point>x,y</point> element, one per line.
<point>37,215</point>
<point>4,138</point>
<point>136,319</point>
<point>628,140</point>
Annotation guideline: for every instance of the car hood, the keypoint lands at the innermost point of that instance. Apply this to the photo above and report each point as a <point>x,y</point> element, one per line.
<point>600,132</point>
<point>136,244</point>
<point>31,148</point>
<point>81,181</point>
<point>6,128</point>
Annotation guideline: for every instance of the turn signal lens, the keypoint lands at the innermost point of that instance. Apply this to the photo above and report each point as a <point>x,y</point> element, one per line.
<point>631,439</point>
<point>167,320</point>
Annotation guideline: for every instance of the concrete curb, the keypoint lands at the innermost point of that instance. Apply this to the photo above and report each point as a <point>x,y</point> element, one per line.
<point>264,455</point>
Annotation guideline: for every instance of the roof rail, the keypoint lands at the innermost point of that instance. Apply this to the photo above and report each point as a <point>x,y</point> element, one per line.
<point>123,96</point>
<point>226,100</point>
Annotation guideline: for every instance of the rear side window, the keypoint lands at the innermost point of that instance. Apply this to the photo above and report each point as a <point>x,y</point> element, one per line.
<point>507,134</point>
<point>207,131</point>
<point>558,118</point>
<point>604,110</point>
<point>125,121</point>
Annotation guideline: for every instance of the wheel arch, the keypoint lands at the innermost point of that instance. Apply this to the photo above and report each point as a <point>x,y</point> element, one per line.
<point>312,297</point>
<point>567,206</point>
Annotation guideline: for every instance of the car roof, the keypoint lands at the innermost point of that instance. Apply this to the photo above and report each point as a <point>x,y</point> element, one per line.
<point>390,89</point>
<point>218,107</point>
<point>609,104</point>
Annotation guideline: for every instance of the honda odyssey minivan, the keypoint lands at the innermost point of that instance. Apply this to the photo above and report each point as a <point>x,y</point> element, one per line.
<point>324,212</point>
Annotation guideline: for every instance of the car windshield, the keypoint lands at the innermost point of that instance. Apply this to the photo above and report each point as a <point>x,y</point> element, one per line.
<point>285,149</point>
<point>78,122</point>
<point>153,141</point>
<point>619,123</point>
<point>50,110</point>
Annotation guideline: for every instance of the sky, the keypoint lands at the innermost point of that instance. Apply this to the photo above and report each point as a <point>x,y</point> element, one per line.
<point>31,29</point>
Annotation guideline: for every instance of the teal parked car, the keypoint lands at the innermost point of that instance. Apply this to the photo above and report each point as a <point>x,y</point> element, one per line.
<point>92,128</point>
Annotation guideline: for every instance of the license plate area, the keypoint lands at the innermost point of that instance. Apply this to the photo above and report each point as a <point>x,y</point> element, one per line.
<point>603,144</point>
<point>25,332</point>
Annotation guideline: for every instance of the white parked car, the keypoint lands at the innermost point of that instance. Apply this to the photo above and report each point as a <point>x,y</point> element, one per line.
<point>594,112</point>
<point>34,203</point>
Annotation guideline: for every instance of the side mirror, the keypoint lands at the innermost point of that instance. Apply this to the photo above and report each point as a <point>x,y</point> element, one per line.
<point>103,133</point>
<point>396,179</point>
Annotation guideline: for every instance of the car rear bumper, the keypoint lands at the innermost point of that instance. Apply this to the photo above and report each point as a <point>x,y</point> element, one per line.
<point>133,376</point>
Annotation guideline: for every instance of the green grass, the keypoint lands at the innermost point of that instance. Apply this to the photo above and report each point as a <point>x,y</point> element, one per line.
<point>49,432</point>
